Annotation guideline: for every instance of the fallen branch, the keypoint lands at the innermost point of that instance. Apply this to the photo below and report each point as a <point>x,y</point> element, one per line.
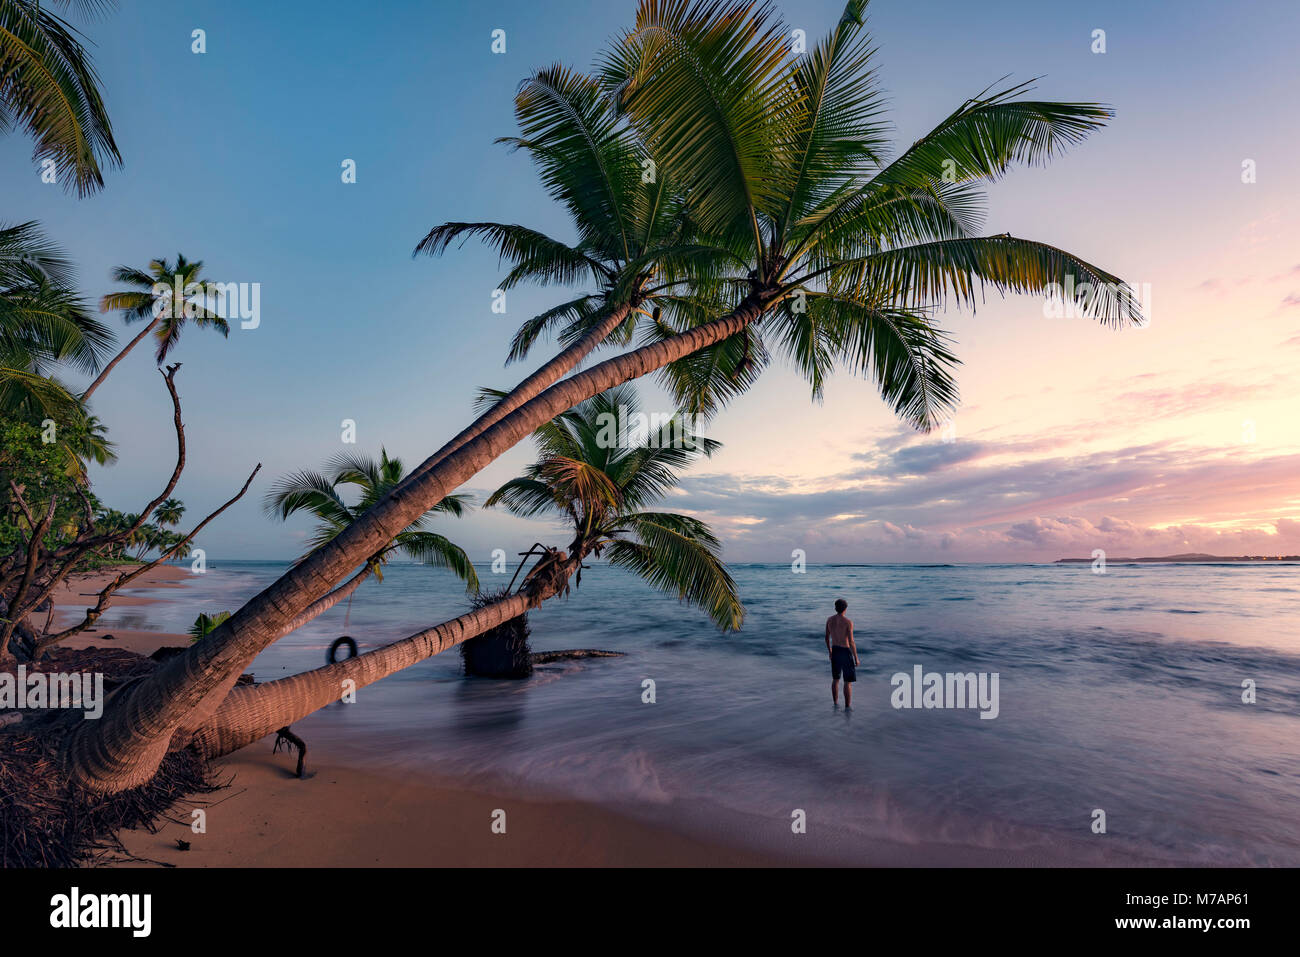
<point>124,578</point>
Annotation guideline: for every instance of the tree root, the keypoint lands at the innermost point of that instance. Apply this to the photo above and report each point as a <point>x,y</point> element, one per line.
<point>288,738</point>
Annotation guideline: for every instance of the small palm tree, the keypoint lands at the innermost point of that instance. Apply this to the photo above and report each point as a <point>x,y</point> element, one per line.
<point>604,489</point>
<point>169,512</point>
<point>319,494</point>
<point>205,624</point>
<point>169,295</point>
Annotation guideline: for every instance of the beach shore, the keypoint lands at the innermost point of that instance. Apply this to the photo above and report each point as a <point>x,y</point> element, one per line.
<point>341,815</point>
<point>352,811</point>
<point>81,592</point>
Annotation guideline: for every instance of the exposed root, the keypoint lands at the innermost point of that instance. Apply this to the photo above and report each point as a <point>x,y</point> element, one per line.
<point>48,821</point>
<point>289,739</point>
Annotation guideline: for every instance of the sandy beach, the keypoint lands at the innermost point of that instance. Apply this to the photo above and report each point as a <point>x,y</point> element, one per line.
<point>340,815</point>
<point>81,591</point>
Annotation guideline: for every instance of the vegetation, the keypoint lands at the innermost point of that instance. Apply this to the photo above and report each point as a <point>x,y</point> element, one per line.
<point>319,495</point>
<point>605,490</point>
<point>205,624</point>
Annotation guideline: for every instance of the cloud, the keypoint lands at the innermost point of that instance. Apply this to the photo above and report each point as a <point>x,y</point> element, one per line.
<point>996,501</point>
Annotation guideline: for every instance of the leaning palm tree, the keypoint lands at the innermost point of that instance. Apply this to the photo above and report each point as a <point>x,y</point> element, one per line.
<point>169,295</point>
<point>320,495</point>
<point>49,89</point>
<point>850,254</point>
<point>603,485</point>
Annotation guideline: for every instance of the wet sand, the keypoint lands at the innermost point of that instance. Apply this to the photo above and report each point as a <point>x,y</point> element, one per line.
<point>80,592</point>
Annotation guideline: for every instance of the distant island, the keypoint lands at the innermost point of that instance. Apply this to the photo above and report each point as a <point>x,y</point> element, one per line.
<point>1189,557</point>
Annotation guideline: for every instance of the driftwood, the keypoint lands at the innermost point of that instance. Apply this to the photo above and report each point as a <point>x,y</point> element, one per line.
<point>573,654</point>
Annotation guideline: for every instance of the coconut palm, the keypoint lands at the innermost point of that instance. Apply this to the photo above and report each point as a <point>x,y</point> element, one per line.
<point>169,295</point>
<point>779,152</point>
<point>49,89</point>
<point>638,246</point>
<point>44,325</point>
<point>605,489</point>
<point>603,485</point>
<point>169,512</point>
<point>319,494</point>
<point>851,253</point>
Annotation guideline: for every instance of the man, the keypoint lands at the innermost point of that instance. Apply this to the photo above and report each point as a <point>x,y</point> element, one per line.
<point>843,652</point>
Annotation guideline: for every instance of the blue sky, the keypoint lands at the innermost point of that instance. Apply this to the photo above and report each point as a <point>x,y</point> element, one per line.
<point>1066,436</point>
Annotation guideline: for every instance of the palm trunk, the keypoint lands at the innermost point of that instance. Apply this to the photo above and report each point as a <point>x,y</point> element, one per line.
<point>119,357</point>
<point>123,748</point>
<point>251,712</point>
<point>531,387</point>
<point>322,605</point>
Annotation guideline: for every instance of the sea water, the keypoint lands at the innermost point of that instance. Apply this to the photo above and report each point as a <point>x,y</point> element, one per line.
<point>1120,692</point>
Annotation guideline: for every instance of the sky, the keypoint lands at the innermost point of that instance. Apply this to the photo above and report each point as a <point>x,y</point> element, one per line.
<point>1182,436</point>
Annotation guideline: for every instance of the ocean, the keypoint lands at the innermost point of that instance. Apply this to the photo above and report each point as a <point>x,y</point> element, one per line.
<point>1119,693</point>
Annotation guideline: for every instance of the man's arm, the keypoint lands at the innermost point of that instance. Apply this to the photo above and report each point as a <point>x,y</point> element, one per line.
<point>828,636</point>
<point>853,646</point>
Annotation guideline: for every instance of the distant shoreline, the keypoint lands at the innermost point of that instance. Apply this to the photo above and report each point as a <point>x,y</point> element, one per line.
<point>1187,559</point>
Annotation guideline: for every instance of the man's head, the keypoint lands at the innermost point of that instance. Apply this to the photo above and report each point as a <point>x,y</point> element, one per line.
<point>840,605</point>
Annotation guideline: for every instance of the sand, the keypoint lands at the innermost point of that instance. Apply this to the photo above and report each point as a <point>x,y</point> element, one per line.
<point>82,591</point>
<point>343,816</point>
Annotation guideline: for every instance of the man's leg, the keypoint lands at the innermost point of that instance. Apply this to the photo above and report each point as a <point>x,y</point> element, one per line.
<point>848,694</point>
<point>835,690</point>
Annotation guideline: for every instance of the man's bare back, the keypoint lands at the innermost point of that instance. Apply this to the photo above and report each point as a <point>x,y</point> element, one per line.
<point>843,652</point>
<point>840,631</point>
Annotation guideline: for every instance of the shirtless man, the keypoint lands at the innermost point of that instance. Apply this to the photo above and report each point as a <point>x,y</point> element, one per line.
<point>843,652</point>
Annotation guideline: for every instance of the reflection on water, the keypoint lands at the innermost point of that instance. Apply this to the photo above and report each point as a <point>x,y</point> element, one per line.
<point>1119,691</point>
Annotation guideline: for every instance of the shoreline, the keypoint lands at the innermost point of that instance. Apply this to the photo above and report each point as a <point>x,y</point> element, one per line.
<point>79,592</point>
<point>352,811</point>
<point>264,818</point>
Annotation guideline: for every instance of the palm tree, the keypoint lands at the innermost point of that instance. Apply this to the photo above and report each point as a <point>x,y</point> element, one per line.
<point>169,295</point>
<point>874,246</point>
<point>44,324</point>
<point>319,494</point>
<point>638,243</point>
<point>49,89</point>
<point>604,491</point>
<point>850,253</point>
<point>169,512</point>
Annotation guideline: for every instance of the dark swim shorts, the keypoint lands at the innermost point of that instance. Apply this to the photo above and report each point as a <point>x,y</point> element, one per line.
<point>842,662</point>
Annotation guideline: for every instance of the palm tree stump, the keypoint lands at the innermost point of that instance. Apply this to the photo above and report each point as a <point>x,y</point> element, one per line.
<point>502,652</point>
